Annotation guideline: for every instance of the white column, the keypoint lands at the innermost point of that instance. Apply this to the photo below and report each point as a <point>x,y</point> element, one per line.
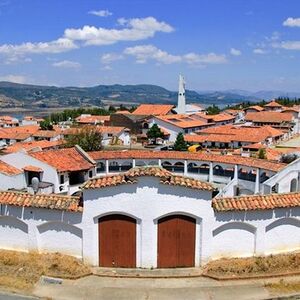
<point>185,171</point>
<point>159,162</point>
<point>211,173</point>
<point>107,166</point>
<point>133,162</point>
<point>236,172</point>
<point>256,191</point>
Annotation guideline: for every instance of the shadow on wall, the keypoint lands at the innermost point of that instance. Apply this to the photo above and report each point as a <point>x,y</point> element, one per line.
<point>284,221</point>
<point>234,225</point>
<point>12,222</point>
<point>60,227</point>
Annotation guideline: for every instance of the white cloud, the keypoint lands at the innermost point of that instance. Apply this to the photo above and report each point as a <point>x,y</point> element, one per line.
<point>14,78</point>
<point>235,52</point>
<point>292,22</point>
<point>287,45</point>
<point>100,13</point>
<point>107,68</point>
<point>203,59</point>
<point>136,29</point>
<point>259,51</point>
<point>67,64</point>
<point>57,46</point>
<point>144,53</point>
<point>108,58</point>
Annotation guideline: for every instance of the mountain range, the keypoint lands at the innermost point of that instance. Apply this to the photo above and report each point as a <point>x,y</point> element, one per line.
<point>14,95</point>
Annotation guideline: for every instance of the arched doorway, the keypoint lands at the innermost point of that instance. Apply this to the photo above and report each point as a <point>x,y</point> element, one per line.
<point>117,241</point>
<point>176,242</point>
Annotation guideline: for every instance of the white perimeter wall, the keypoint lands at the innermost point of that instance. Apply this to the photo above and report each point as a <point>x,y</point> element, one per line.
<point>227,234</point>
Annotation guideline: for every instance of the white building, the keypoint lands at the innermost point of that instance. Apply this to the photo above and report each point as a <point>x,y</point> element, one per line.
<point>150,218</point>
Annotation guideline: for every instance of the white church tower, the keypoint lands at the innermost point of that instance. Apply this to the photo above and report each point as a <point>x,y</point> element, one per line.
<point>181,96</point>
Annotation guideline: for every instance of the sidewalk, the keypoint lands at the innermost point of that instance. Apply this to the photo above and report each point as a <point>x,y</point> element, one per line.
<point>198,288</point>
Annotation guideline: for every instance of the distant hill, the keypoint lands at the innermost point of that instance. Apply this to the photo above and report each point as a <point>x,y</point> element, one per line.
<point>36,96</point>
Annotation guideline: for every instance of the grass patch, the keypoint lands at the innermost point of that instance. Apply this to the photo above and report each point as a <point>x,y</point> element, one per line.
<point>20,271</point>
<point>253,266</point>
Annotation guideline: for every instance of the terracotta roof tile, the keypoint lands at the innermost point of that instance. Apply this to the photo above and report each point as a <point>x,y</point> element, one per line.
<point>255,107</point>
<point>9,170</point>
<point>153,109</point>
<point>52,201</point>
<point>130,177</point>
<point>28,146</point>
<point>30,168</point>
<point>273,104</point>
<point>63,160</point>
<point>256,202</point>
<point>200,156</point>
<point>93,119</point>
<point>269,117</point>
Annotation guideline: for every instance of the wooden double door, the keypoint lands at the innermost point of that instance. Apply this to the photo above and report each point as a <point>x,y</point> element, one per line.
<point>176,242</point>
<point>117,241</point>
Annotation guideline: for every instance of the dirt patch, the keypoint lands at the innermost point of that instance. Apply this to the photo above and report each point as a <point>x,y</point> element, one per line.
<point>20,271</point>
<point>254,266</point>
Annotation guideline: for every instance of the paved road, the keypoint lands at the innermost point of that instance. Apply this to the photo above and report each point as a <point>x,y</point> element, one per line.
<point>8,296</point>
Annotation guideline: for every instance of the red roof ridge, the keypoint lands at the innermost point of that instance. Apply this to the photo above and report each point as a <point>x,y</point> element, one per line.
<point>256,202</point>
<point>51,201</point>
<point>129,177</point>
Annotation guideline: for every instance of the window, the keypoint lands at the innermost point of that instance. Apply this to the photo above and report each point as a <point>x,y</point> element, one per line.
<point>62,179</point>
<point>90,173</point>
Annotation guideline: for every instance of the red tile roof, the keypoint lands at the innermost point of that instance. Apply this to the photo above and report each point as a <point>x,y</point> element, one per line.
<point>273,104</point>
<point>18,133</point>
<point>269,117</point>
<point>28,146</point>
<point>199,156</point>
<point>255,107</point>
<point>256,202</point>
<point>46,133</point>
<point>153,109</point>
<point>230,133</point>
<point>30,168</point>
<point>52,201</point>
<point>9,170</point>
<point>92,119</point>
<point>182,120</point>
<point>64,160</point>
<point>129,177</point>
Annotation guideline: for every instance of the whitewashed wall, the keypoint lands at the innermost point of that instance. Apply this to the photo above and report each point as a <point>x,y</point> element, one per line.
<point>218,234</point>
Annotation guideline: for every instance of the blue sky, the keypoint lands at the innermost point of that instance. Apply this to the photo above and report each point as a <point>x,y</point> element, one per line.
<point>216,44</point>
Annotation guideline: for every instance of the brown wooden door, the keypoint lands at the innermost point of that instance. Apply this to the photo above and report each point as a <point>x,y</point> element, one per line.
<point>117,241</point>
<point>176,242</point>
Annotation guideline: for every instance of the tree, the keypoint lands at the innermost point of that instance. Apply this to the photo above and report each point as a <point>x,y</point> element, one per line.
<point>213,110</point>
<point>154,133</point>
<point>262,153</point>
<point>88,138</point>
<point>180,144</point>
<point>46,125</point>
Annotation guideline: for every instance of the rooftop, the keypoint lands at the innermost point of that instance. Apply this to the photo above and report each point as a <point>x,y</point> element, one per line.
<point>182,120</point>
<point>255,107</point>
<point>269,117</point>
<point>64,160</point>
<point>153,109</point>
<point>52,201</point>
<point>9,170</point>
<point>129,177</point>
<point>177,155</point>
<point>256,202</point>
<point>273,104</point>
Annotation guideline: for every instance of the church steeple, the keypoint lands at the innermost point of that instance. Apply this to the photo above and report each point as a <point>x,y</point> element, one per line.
<point>181,96</point>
